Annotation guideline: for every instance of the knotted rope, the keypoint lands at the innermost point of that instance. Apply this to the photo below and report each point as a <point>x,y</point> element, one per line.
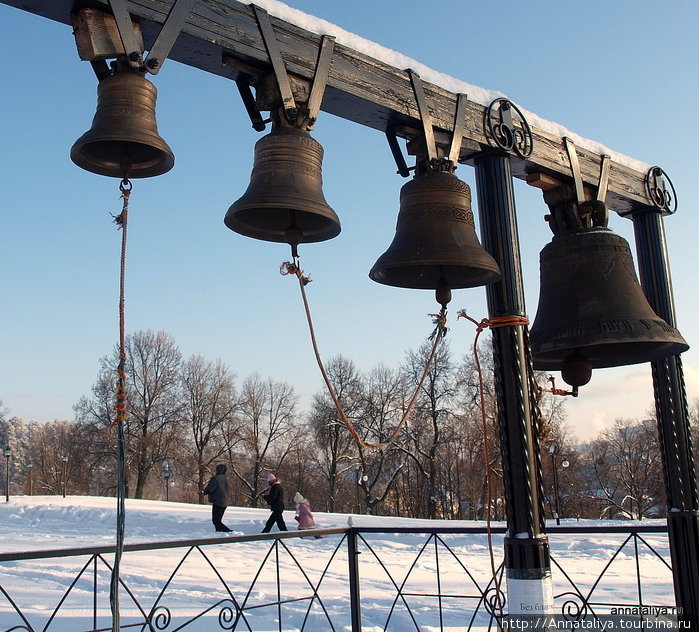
<point>121,221</point>
<point>492,323</point>
<point>440,330</point>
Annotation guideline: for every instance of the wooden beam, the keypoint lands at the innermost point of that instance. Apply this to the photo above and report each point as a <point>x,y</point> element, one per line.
<point>222,37</point>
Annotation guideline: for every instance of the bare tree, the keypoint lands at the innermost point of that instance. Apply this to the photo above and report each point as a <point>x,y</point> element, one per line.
<point>208,406</point>
<point>478,433</point>
<point>267,415</point>
<point>151,368</point>
<point>335,447</point>
<point>382,406</point>
<point>428,422</point>
<point>49,457</point>
<point>625,463</point>
<point>152,365</point>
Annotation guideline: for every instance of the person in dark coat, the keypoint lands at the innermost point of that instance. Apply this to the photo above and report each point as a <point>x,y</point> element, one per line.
<point>275,498</point>
<point>217,490</point>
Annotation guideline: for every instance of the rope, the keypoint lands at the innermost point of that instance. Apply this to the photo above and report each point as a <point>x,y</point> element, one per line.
<point>492,323</point>
<point>121,221</point>
<point>437,335</point>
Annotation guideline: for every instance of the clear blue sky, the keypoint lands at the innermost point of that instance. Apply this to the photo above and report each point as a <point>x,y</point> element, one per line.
<point>623,73</point>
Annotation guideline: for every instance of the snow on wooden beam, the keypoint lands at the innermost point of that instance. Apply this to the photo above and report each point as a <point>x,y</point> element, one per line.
<point>222,37</point>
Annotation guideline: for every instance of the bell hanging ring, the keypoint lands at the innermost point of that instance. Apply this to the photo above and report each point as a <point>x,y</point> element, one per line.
<point>123,140</point>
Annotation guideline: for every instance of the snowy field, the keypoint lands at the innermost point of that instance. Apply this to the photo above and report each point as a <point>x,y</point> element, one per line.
<point>197,588</point>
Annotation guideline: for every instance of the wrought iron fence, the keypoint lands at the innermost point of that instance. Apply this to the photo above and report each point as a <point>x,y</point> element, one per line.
<point>435,579</point>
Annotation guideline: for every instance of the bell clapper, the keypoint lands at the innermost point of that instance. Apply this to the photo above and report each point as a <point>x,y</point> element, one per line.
<point>293,236</point>
<point>576,369</point>
<point>443,292</point>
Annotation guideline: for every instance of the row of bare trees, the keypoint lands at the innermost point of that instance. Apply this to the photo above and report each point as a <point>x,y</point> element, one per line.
<point>443,463</point>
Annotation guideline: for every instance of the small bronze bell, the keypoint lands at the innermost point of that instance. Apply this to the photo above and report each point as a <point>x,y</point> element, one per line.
<point>284,201</point>
<point>592,311</point>
<point>123,140</point>
<point>435,246</point>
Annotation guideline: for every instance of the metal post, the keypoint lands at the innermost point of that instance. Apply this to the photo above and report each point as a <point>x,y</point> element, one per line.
<point>673,420</point>
<point>554,468</point>
<point>167,475</point>
<point>65,464</point>
<point>7,474</point>
<point>527,558</point>
<point>355,603</point>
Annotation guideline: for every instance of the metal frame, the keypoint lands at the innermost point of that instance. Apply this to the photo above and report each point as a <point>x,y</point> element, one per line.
<point>228,42</point>
<point>462,597</point>
<point>175,20</point>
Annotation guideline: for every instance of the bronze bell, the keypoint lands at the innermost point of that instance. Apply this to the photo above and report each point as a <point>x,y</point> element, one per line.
<point>284,201</point>
<point>592,311</point>
<point>435,245</point>
<point>123,140</point>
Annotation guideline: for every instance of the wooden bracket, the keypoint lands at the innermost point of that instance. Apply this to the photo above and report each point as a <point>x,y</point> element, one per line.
<point>100,35</point>
<point>97,36</point>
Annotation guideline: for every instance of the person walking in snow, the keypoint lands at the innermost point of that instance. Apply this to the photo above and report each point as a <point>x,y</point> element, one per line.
<point>304,515</point>
<point>274,495</point>
<point>217,490</point>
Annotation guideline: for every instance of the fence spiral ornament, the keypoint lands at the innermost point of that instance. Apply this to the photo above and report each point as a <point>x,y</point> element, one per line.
<point>159,618</point>
<point>228,616</point>
<point>494,599</point>
<point>575,607</point>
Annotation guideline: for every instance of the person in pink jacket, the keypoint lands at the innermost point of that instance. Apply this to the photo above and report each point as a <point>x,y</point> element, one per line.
<point>304,515</point>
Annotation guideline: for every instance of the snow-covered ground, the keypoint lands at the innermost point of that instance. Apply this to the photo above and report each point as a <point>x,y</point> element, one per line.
<point>181,583</point>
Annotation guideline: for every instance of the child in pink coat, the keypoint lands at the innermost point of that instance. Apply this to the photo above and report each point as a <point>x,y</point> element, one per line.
<point>304,516</point>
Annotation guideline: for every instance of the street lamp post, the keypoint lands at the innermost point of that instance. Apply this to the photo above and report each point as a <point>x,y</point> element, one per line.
<point>554,467</point>
<point>65,471</point>
<point>30,468</point>
<point>167,475</point>
<point>7,473</point>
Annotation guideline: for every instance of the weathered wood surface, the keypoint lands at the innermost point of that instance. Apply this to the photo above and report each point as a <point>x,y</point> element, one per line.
<point>222,37</point>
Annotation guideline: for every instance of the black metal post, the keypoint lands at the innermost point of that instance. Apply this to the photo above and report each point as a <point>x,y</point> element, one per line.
<point>7,474</point>
<point>527,558</point>
<point>355,599</point>
<point>167,475</point>
<point>556,494</point>
<point>65,470</point>
<point>673,420</point>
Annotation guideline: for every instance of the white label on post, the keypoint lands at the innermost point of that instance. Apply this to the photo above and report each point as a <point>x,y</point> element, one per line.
<point>530,596</point>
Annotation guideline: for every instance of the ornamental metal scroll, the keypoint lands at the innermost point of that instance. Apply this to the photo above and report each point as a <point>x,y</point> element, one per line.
<point>657,190</point>
<point>500,126</point>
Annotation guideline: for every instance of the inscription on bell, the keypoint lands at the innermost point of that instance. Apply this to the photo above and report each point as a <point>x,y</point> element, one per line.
<point>615,326</point>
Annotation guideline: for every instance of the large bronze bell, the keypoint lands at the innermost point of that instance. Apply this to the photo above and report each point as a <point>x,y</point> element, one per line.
<point>123,140</point>
<point>435,245</point>
<point>284,201</point>
<point>592,311</point>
